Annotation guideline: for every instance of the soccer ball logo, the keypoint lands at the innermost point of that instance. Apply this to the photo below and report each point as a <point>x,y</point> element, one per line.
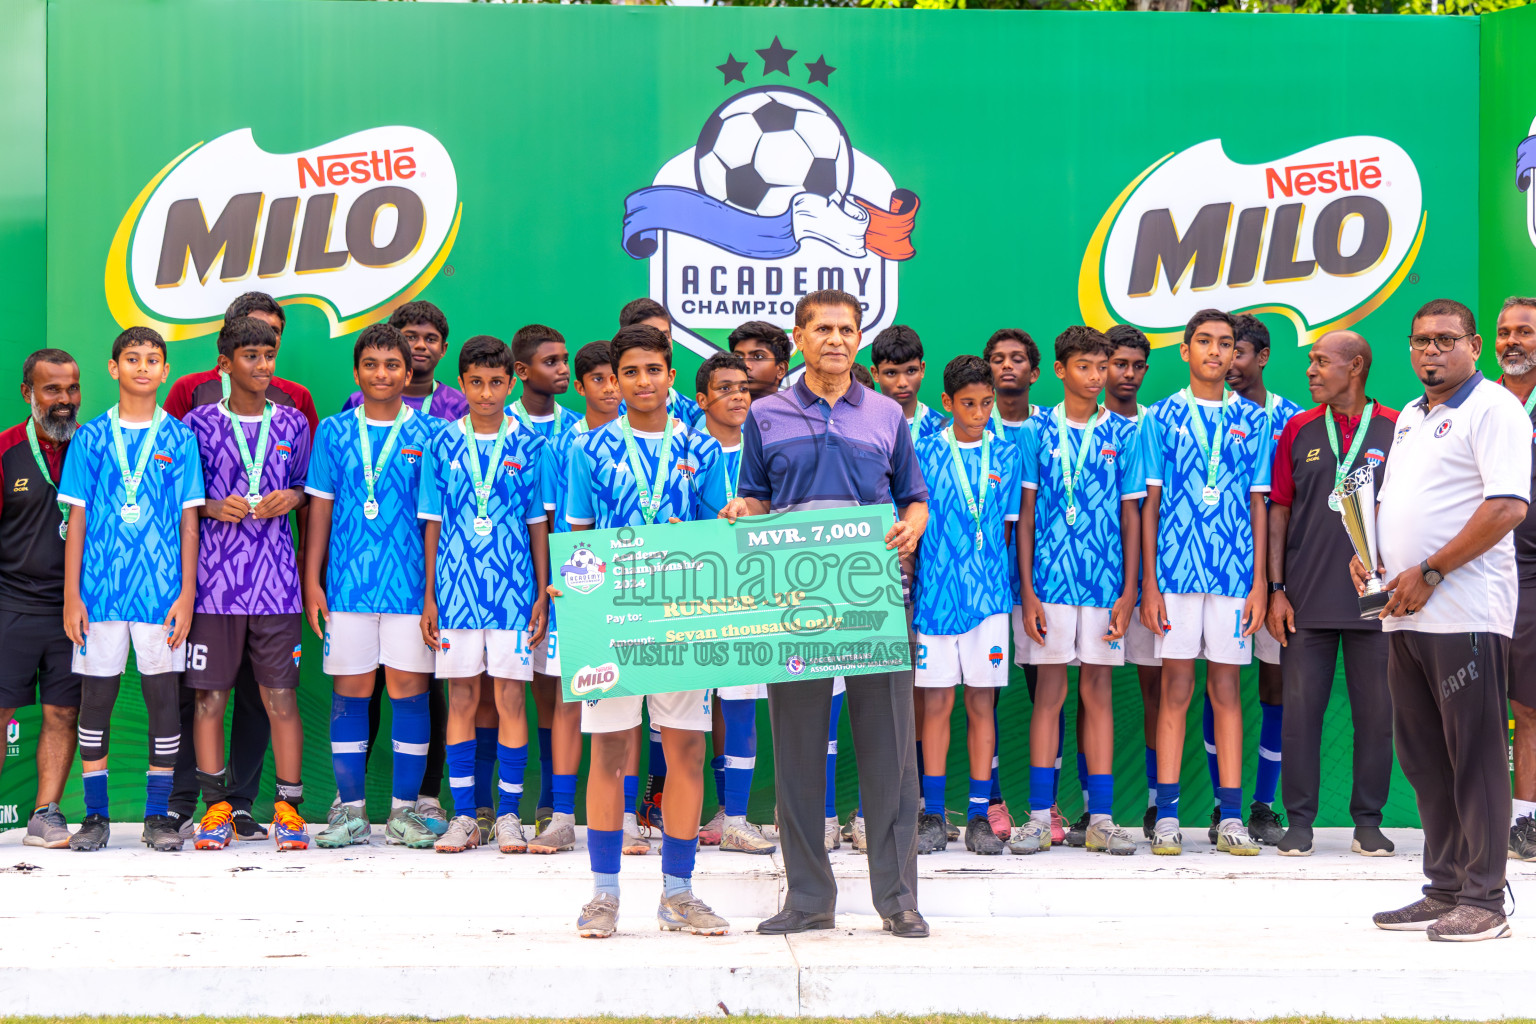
<point>763,147</point>
<point>583,571</point>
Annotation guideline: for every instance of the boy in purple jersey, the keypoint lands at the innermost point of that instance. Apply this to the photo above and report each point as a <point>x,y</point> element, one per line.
<point>255,457</point>
<point>426,330</point>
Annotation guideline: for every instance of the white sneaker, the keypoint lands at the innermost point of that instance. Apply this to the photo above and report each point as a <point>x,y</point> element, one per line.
<point>635,844</point>
<point>741,836</point>
<point>1232,837</point>
<point>510,836</point>
<point>834,834</point>
<point>463,834</point>
<point>859,839</point>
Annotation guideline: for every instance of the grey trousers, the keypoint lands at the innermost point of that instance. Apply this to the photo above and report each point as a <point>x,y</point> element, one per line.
<point>880,713</point>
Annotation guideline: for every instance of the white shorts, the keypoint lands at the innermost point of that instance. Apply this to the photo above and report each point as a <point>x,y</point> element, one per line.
<point>1265,647</point>
<point>691,710</point>
<point>839,685</point>
<point>469,652</point>
<point>1205,626</point>
<point>105,651</point>
<point>1140,643</point>
<point>1075,634</point>
<point>974,658</point>
<point>546,660</point>
<point>359,642</point>
<point>1021,641</point>
<point>751,691</point>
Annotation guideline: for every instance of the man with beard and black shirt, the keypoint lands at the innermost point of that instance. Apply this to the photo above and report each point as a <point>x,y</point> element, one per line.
<point>37,664</point>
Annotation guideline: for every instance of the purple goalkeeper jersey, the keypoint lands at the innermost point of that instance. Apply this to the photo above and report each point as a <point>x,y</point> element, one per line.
<point>248,568</point>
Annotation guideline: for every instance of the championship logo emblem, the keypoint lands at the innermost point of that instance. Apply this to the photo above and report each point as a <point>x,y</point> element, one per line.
<point>771,202</point>
<point>584,571</point>
<point>795,665</point>
<point>995,656</point>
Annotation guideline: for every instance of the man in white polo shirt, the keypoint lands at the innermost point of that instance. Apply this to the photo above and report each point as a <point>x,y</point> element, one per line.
<point>1458,480</point>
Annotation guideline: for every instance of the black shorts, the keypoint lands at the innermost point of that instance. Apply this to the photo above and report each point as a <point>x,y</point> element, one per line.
<point>35,661</point>
<point>1522,650</point>
<point>216,644</point>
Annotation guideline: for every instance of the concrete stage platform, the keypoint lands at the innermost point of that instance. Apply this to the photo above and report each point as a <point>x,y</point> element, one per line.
<point>382,930</point>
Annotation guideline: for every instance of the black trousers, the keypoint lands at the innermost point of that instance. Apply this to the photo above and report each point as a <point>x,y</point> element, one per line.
<point>249,735</point>
<point>437,743</point>
<point>1307,664</point>
<point>1448,713</point>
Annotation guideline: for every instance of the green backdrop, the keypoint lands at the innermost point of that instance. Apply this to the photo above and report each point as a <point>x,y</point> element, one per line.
<point>1018,133</point>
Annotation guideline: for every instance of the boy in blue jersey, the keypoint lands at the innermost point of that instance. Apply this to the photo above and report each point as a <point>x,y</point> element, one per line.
<point>645,469</point>
<point>364,581</point>
<point>133,482</point>
<point>653,314</point>
<point>961,599</point>
<point>487,562</point>
<point>897,356</point>
<point>724,394</point>
<point>1204,578</point>
<point>1079,555</point>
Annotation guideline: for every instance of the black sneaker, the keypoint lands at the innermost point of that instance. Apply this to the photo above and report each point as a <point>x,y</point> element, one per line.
<point>186,824</point>
<point>92,834</point>
<point>161,833</point>
<point>951,830</point>
<point>1465,923</point>
<point>979,837</point>
<point>932,835</point>
<point>1264,824</point>
<point>247,827</point>
<point>1522,839</point>
<point>1077,835</point>
<point>1415,917</point>
<point>1215,821</point>
<point>1149,821</point>
<point>1370,842</point>
<point>1297,841</point>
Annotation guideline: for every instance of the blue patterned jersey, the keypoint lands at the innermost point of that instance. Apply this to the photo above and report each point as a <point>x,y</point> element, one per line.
<point>131,572</point>
<point>957,585</point>
<point>552,427</point>
<point>680,406</point>
<point>731,468</point>
<point>926,421</point>
<point>1205,549</point>
<point>1013,433</point>
<point>1279,410</point>
<point>374,565</point>
<point>484,582</point>
<point>602,491</point>
<point>1082,564</point>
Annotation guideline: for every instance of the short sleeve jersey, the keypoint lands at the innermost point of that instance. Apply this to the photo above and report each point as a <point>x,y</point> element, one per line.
<point>926,421</point>
<point>959,585</point>
<point>249,567</point>
<point>484,582</point>
<point>602,491</point>
<point>131,572</point>
<point>447,403</point>
<point>1081,563</point>
<point>1013,433</point>
<point>1201,548</point>
<point>373,565</point>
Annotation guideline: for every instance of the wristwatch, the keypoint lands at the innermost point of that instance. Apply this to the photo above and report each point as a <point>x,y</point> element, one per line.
<point>1431,576</point>
<point>1276,587</point>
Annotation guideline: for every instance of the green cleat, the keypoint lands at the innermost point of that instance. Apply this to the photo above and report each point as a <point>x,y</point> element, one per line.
<point>407,828</point>
<point>349,827</point>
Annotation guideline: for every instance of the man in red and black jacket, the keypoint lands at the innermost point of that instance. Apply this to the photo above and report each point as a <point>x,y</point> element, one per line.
<point>1313,605</point>
<point>250,730</point>
<point>36,662</point>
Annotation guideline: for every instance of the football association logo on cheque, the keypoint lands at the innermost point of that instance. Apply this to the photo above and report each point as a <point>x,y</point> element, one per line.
<point>771,201</point>
<point>584,572</point>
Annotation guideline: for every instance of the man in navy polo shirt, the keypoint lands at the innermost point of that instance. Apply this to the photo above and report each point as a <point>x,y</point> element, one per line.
<point>828,442</point>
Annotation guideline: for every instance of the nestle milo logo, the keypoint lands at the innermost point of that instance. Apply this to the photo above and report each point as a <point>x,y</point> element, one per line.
<point>595,680</point>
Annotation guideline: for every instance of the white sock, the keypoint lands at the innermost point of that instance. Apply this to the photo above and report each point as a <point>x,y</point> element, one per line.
<point>1043,817</point>
<point>1151,796</point>
<point>1523,809</point>
<point>395,803</point>
<point>1097,819</point>
<point>735,819</point>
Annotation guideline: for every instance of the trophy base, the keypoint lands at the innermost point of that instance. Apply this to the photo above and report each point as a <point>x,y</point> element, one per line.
<point>1372,604</point>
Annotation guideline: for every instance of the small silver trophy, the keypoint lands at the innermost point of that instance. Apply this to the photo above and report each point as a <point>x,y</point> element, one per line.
<point>1357,507</point>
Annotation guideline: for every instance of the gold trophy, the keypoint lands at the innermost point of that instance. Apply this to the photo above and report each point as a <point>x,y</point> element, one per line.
<point>1357,507</point>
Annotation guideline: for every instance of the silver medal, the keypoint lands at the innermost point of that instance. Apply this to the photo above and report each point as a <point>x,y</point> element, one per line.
<point>130,513</point>
<point>1335,502</point>
<point>370,509</point>
<point>1210,495</point>
<point>63,531</point>
<point>1071,515</point>
<point>483,525</point>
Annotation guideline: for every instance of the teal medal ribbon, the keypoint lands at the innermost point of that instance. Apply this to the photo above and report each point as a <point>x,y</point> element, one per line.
<point>253,464</point>
<point>42,465</point>
<point>224,384</point>
<point>1069,472</point>
<point>373,471</point>
<point>522,414</point>
<point>130,510</point>
<point>650,500</point>
<point>973,505</point>
<point>1341,466</point>
<point>1210,450</point>
<point>917,420</point>
<point>997,419</point>
<point>482,481</point>
<point>426,403</point>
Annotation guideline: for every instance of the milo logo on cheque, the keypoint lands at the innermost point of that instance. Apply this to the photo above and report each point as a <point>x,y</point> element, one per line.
<point>595,680</point>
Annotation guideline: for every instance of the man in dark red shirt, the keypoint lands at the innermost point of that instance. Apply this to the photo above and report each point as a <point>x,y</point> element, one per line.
<point>36,663</point>
<point>250,730</point>
<point>1313,606</point>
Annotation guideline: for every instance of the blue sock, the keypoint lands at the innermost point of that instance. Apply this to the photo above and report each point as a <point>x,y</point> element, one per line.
<point>513,762</point>
<point>461,777</point>
<point>981,794</point>
<point>485,765</point>
<point>995,794</point>
<point>1082,776</point>
<point>657,767</point>
<point>717,766</point>
<point>96,792</point>
<point>349,746</point>
<point>1101,794</point>
<point>1041,788</point>
<point>157,792</point>
<point>740,755</point>
<point>1167,799</point>
<point>1268,778</point>
<point>677,857</point>
<point>631,793</point>
<point>1061,743</point>
<point>564,789</point>
<point>410,733</point>
<point>1152,775</point>
<point>1231,800</point>
<point>546,768</point>
<point>922,766</point>
<point>837,714</point>
<point>603,853</point>
<point>1208,726</point>
<point>933,794</point>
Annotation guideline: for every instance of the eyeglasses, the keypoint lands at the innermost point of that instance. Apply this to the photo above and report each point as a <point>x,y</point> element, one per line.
<point>1420,342</point>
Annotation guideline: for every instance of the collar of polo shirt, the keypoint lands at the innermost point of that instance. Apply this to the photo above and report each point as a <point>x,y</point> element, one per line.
<point>1460,396</point>
<point>807,398</point>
